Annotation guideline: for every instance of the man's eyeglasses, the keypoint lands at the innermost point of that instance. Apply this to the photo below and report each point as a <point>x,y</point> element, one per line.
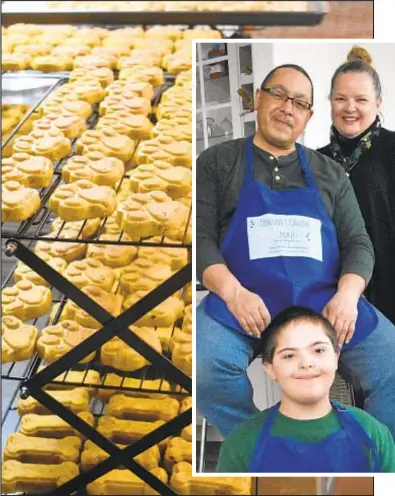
<point>298,103</point>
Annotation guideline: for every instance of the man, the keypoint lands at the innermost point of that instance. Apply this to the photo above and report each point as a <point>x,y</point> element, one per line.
<point>279,225</point>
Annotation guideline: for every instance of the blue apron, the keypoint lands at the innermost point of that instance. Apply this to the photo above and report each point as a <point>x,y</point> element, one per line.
<point>284,281</point>
<point>343,451</point>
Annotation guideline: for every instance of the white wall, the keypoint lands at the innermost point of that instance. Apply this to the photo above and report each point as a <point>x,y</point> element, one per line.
<point>320,60</point>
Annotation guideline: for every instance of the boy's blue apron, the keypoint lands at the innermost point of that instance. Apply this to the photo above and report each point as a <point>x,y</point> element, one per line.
<point>282,245</point>
<point>344,451</point>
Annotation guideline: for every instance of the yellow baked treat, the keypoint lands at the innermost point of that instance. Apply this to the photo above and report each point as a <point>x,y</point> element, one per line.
<point>177,130</point>
<point>125,407</point>
<point>177,62</point>
<point>114,51</point>
<point>161,176</point>
<point>25,29</point>
<point>51,144</point>
<point>72,105</point>
<point>57,340</point>
<point>152,75</point>
<point>143,276</point>
<point>164,315</point>
<point>81,229</point>
<point>33,478</point>
<point>28,170</point>
<point>70,51</point>
<point>170,32</point>
<point>139,88</point>
<point>196,33</point>
<point>127,431</point>
<point>117,354</point>
<point>186,404</point>
<point>18,340</point>
<point>82,200</point>
<point>164,148</point>
<point>187,321</point>
<point>23,271</point>
<point>95,167</point>
<point>175,258</point>
<point>140,57</point>
<point>52,426</point>
<point>15,61</point>
<point>52,63</point>
<point>174,111</point>
<point>111,303</point>
<point>76,400</point>
<point>25,300</point>
<point>90,272</point>
<point>96,61</point>
<point>182,354</point>
<point>18,202</point>
<point>108,142</point>
<point>113,255</point>
<point>187,296</point>
<point>152,214</point>
<point>59,249</point>
<point>90,91</point>
<point>104,75</point>
<point>184,79</point>
<point>136,126</point>
<point>71,125</point>
<point>150,386</point>
<point>178,450</point>
<point>186,433</point>
<point>183,483</point>
<point>127,102</point>
<point>74,378</point>
<point>119,481</point>
<point>29,449</point>
<point>93,455</point>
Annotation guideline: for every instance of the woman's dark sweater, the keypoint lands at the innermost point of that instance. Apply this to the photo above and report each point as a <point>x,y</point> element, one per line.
<point>373,179</point>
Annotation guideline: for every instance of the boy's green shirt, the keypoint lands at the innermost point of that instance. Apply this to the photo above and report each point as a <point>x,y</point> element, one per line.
<point>237,449</point>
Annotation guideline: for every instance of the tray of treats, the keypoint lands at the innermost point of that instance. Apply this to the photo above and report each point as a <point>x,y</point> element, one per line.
<point>189,13</point>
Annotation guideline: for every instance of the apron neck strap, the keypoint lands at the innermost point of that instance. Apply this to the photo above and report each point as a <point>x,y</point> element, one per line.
<point>249,159</point>
<point>305,166</point>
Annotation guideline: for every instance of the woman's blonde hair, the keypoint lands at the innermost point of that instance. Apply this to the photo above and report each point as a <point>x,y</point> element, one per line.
<point>359,60</point>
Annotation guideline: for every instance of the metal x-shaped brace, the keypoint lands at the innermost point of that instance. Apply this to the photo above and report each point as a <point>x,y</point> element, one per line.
<point>111,327</point>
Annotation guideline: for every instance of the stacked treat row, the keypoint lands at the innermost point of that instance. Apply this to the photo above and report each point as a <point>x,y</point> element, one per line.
<point>169,6</point>
<point>63,48</point>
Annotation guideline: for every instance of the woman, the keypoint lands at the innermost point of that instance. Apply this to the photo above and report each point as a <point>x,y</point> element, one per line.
<point>367,152</point>
<point>306,432</point>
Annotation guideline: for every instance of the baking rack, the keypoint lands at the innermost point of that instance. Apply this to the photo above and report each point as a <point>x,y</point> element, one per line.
<point>34,381</point>
<point>313,15</point>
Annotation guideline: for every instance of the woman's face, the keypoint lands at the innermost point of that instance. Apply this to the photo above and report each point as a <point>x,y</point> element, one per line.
<point>304,363</point>
<point>354,103</point>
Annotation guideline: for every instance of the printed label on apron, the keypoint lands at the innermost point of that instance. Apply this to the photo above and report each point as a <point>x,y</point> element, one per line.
<point>272,235</point>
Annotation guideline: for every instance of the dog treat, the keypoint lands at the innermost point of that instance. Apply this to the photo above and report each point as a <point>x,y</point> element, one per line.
<point>135,126</point>
<point>181,354</point>
<point>130,382</point>
<point>58,249</point>
<point>82,200</point>
<point>178,450</point>
<point>29,449</point>
<point>30,171</point>
<point>79,229</point>
<point>51,144</point>
<point>70,124</point>
<point>77,400</point>
<point>35,478</point>
<point>187,297</point>
<point>52,63</point>
<point>187,321</point>
<point>72,105</point>
<point>104,75</point>
<point>127,431</point>
<point>125,482</point>
<point>140,73</point>
<point>75,378</point>
<point>186,404</point>
<point>15,61</point>
<point>18,202</point>
<point>127,102</point>
<point>23,271</point>
<point>143,276</point>
<point>139,88</point>
<point>52,426</point>
<point>25,300</point>
<point>175,258</point>
<point>186,433</point>
<point>122,406</point>
<point>163,315</point>
<point>108,142</point>
<point>57,340</point>
<point>117,354</point>
<point>111,303</point>
<point>94,167</point>
<point>90,272</point>
<point>112,255</point>
<point>18,340</point>
<point>93,455</point>
<point>183,483</point>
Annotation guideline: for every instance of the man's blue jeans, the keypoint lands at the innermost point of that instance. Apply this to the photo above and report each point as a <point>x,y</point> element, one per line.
<point>224,392</point>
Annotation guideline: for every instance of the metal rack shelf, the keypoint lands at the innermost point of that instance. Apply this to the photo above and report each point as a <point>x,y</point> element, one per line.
<point>313,15</point>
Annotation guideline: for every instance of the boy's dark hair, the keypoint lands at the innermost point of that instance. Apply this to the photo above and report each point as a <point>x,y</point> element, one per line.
<point>289,66</point>
<point>268,341</point>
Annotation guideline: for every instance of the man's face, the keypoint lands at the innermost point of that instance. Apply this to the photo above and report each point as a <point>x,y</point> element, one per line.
<point>281,123</point>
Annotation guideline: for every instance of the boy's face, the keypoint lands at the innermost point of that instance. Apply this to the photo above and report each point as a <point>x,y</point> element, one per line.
<point>304,362</point>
